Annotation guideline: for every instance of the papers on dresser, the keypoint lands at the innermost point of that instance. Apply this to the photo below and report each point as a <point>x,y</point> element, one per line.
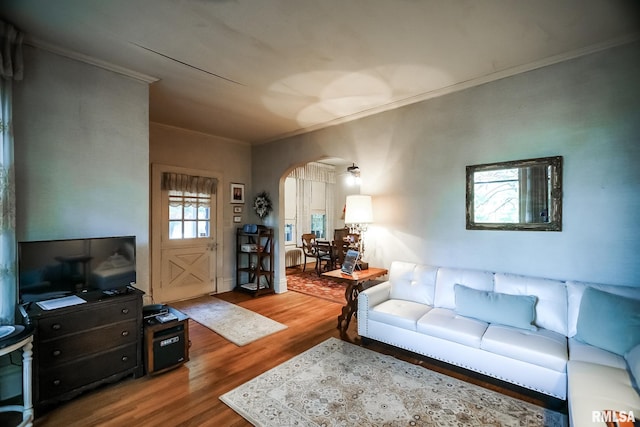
<point>52,304</point>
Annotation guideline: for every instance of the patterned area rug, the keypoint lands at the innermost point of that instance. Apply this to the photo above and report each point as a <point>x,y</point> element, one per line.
<point>235,323</point>
<point>309,283</point>
<point>340,384</point>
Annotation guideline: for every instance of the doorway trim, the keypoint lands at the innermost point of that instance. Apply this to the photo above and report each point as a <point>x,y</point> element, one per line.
<point>155,233</point>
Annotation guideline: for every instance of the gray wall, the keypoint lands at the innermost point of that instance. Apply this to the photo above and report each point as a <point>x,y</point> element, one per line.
<point>413,162</point>
<point>179,147</point>
<point>82,153</point>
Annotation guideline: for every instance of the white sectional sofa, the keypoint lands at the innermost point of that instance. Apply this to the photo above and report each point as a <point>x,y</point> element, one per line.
<point>524,330</point>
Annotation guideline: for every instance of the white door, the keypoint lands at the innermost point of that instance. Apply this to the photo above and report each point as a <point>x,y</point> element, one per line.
<point>186,231</point>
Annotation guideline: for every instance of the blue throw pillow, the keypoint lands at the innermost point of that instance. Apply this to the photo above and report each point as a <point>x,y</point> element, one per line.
<point>609,321</point>
<point>633,363</point>
<point>512,310</point>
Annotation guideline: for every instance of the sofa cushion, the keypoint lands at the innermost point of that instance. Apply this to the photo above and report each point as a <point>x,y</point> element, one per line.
<point>633,362</point>
<point>592,354</point>
<point>447,278</point>
<point>542,347</point>
<point>446,324</point>
<point>593,387</point>
<point>494,307</point>
<point>401,313</point>
<point>412,282</point>
<point>609,321</point>
<point>575,291</point>
<point>551,308</point>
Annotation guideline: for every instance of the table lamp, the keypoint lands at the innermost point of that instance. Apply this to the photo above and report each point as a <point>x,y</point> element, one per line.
<point>358,214</point>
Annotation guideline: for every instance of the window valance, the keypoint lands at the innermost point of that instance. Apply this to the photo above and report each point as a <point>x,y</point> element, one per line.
<point>315,172</point>
<point>189,183</point>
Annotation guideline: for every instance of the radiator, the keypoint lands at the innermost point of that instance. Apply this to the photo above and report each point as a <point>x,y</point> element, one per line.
<point>292,257</point>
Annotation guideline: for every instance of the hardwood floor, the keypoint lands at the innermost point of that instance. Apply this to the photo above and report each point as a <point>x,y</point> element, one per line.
<point>188,395</point>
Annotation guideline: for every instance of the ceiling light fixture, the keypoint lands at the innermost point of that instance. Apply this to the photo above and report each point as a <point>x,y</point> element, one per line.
<point>353,175</point>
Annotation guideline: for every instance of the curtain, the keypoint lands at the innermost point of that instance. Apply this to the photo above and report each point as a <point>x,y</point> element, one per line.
<point>303,176</point>
<point>315,172</point>
<point>303,208</point>
<point>11,68</point>
<point>189,183</point>
<point>189,191</point>
<point>330,197</point>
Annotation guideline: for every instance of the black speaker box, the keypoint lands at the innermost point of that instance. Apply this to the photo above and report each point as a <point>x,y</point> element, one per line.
<point>168,346</point>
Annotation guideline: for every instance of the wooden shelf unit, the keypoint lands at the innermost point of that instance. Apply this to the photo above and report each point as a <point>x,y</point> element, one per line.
<point>254,261</point>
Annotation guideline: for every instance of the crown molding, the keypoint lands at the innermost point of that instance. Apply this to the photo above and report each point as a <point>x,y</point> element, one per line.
<point>498,75</point>
<point>222,139</point>
<point>31,41</point>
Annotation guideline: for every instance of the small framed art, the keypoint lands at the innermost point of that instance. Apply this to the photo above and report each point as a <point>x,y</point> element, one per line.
<point>237,193</point>
<point>237,219</point>
<point>237,209</point>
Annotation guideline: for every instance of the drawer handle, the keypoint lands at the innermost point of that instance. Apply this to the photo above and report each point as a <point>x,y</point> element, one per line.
<point>125,311</point>
<point>125,358</point>
<point>57,382</point>
<point>56,326</point>
<point>125,333</point>
<point>56,353</point>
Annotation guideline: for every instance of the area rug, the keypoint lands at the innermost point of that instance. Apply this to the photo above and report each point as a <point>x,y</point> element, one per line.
<point>340,384</point>
<point>235,323</point>
<point>310,283</point>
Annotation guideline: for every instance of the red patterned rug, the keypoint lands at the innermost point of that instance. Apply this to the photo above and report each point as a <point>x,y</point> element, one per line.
<point>309,283</point>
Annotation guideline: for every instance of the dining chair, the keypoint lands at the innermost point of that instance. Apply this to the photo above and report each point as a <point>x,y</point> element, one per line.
<point>309,249</point>
<point>343,241</point>
<point>326,256</point>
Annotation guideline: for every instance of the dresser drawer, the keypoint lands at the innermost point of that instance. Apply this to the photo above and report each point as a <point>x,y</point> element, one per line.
<point>81,320</point>
<point>68,347</point>
<point>67,377</point>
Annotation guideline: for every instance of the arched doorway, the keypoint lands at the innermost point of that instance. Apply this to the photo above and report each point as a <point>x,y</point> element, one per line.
<point>313,202</point>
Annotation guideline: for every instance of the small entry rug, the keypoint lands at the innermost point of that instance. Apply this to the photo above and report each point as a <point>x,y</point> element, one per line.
<point>340,384</point>
<point>235,323</point>
<point>310,283</point>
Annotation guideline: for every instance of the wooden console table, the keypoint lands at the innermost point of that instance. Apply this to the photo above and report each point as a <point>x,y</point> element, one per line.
<point>355,284</point>
<point>21,341</point>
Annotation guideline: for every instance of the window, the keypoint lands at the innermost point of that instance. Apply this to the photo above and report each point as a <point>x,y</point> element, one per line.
<point>289,233</point>
<point>318,225</point>
<point>189,215</point>
<point>318,209</point>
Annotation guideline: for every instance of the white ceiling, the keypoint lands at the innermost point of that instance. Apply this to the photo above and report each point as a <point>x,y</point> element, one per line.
<point>258,70</point>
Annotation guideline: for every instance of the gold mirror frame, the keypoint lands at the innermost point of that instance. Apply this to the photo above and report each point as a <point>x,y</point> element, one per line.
<point>553,219</point>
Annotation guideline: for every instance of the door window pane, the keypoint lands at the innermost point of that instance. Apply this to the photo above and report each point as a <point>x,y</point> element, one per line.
<point>203,212</point>
<point>189,229</point>
<point>189,215</point>
<point>175,229</point>
<point>175,212</point>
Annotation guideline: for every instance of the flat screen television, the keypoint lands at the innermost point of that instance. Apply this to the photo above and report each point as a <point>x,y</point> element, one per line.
<point>56,268</point>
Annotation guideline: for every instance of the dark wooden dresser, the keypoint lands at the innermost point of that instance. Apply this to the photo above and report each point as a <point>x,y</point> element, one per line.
<point>80,347</point>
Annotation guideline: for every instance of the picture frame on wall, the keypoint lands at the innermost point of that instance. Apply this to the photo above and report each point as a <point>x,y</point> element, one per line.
<point>237,193</point>
<point>237,209</point>
<point>237,219</point>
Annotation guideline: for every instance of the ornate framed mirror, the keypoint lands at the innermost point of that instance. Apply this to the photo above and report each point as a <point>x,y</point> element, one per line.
<point>516,195</point>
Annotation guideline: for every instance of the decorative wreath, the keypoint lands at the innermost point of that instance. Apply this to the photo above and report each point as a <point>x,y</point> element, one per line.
<point>262,205</point>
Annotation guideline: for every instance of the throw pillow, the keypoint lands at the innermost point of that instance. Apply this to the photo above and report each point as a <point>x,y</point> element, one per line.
<point>633,363</point>
<point>609,321</point>
<point>494,307</point>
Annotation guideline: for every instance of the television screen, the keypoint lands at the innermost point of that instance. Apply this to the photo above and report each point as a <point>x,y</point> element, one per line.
<point>55,268</point>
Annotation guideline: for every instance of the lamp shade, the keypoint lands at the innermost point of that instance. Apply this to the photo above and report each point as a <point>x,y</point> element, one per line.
<point>358,210</point>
